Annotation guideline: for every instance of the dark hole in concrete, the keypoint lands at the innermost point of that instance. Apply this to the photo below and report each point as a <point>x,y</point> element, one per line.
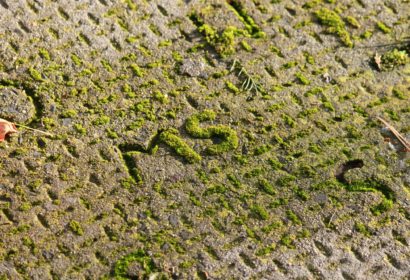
<point>342,169</point>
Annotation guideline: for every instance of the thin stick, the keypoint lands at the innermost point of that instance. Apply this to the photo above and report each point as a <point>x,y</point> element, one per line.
<point>33,129</point>
<point>399,137</point>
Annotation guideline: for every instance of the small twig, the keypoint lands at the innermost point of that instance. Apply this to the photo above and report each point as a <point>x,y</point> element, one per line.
<point>399,137</point>
<point>33,129</point>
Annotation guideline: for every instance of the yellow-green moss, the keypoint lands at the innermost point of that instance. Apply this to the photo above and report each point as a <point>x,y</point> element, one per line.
<point>35,74</point>
<point>334,25</point>
<point>181,148</point>
<point>76,227</point>
<point>394,58</point>
<point>230,139</point>
<point>383,27</point>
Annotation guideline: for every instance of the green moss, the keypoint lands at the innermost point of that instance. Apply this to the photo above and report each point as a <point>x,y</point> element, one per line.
<point>285,180</point>
<point>101,120</point>
<point>267,187</point>
<point>210,34</point>
<point>371,185</point>
<point>232,87</point>
<point>383,27</point>
<point>314,91</point>
<point>399,94</point>
<point>335,25</point>
<point>106,65</point>
<point>76,227</point>
<point>293,217</point>
<point>382,207</point>
<point>276,50</point>
<point>360,227</point>
<point>309,58</point>
<point>352,22</point>
<point>159,96</point>
<point>311,4</point>
<point>181,148</point>
<point>269,228</point>
<point>265,250</point>
<point>229,138</point>
<point>262,149</point>
<point>275,164</point>
<point>246,46</point>
<point>121,266</point>
<point>44,54</point>
<point>394,58</point>
<point>288,240</point>
<point>215,189</point>
<point>252,28</point>
<point>366,35</point>
<point>289,64</point>
<point>177,56</point>
<point>289,120</point>
<point>111,134</point>
<point>259,212</point>
<point>25,206</point>
<point>302,79</point>
<point>192,124</point>
<point>226,43</point>
<point>136,70</point>
<point>35,74</point>
<point>234,180</point>
<point>69,114</point>
<point>80,129</point>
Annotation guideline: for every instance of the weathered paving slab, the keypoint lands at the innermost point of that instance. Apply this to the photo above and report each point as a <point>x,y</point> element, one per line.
<point>205,139</point>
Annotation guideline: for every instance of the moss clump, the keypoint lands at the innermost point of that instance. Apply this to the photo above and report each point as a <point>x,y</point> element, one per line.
<point>35,74</point>
<point>170,138</point>
<point>226,43</point>
<point>262,149</point>
<point>352,22</point>
<point>293,217</point>
<point>44,54</point>
<point>251,27</point>
<point>121,266</point>
<point>259,212</point>
<point>229,138</point>
<point>77,61</point>
<point>69,114</point>
<point>267,187</point>
<point>136,70</point>
<point>302,79</point>
<point>394,58</point>
<point>382,207</point>
<point>232,87</point>
<point>360,227</point>
<point>80,129</point>
<point>399,94</point>
<point>246,46</point>
<point>383,27</point>
<point>334,25</point>
<point>76,228</point>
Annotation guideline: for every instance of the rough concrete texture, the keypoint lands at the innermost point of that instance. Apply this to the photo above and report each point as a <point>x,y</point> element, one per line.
<point>205,139</point>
